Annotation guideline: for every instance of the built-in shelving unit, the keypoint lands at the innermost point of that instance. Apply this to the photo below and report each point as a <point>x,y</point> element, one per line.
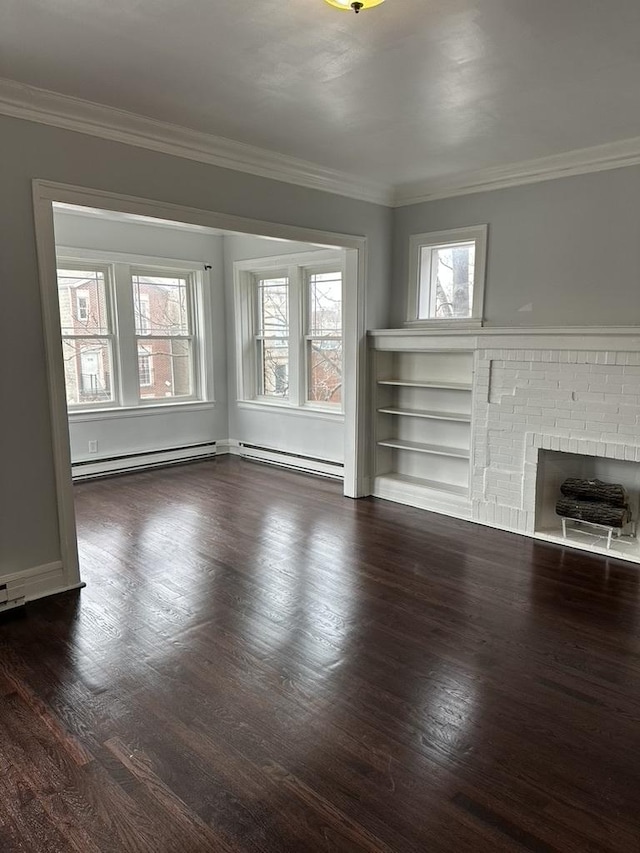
<point>422,426</point>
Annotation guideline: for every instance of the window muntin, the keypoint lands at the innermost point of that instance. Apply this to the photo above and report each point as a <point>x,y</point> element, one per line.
<point>84,297</point>
<point>324,337</point>
<point>447,272</point>
<point>272,336</point>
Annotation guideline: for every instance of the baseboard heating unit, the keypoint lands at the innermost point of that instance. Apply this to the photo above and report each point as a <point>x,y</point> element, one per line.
<point>135,461</point>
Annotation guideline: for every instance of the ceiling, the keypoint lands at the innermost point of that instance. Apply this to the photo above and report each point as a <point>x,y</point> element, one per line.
<point>412,90</point>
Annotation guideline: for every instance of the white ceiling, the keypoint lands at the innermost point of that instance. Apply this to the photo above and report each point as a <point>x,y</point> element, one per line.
<point>410,91</point>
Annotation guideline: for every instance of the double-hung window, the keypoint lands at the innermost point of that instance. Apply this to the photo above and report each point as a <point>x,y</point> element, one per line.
<point>272,336</point>
<point>289,330</point>
<point>130,335</point>
<point>164,334</point>
<point>323,296</point>
<point>86,321</point>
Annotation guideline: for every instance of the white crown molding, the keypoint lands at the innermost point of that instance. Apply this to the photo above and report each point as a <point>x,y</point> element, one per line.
<point>599,158</point>
<point>33,104</point>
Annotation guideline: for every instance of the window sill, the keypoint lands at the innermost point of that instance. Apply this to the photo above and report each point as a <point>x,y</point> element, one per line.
<point>116,412</point>
<point>286,409</point>
<point>468,323</point>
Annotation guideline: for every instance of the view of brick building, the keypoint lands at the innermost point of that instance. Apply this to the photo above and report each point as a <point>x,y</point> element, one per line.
<point>89,324</point>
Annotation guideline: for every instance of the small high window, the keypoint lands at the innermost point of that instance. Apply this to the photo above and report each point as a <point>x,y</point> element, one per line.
<point>447,271</point>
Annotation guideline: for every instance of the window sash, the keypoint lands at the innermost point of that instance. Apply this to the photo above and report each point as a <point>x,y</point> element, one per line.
<point>283,351</point>
<point>314,336</point>
<point>99,342</point>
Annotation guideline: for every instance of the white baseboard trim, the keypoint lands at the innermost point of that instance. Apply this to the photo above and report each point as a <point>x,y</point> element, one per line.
<point>120,464</point>
<point>18,588</point>
<point>284,459</point>
<point>421,498</point>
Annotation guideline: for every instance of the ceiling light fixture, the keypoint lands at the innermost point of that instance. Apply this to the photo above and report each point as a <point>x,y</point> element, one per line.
<point>356,5</point>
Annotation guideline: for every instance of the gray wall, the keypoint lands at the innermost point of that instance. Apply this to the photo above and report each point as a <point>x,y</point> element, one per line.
<point>568,248</point>
<point>28,523</point>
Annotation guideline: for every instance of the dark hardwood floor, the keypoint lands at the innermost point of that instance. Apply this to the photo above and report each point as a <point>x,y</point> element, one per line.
<point>259,664</point>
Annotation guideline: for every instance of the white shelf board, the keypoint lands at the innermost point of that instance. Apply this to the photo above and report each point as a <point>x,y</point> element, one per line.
<point>420,447</point>
<point>442,385</point>
<point>420,482</point>
<point>420,413</point>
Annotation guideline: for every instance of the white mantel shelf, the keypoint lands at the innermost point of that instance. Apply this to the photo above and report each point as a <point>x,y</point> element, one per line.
<point>593,339</point>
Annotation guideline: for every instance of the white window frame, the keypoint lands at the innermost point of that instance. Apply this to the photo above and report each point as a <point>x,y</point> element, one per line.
<point>110,336</point>
<point>308,272</point>
<point>295,267</point>
<point>120,268</point>
<point>260,336</point>
<point>418,271</point>
<point>141,337</point>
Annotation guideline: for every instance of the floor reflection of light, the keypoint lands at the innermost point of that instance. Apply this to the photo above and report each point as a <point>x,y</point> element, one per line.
<point>302,591</point>
<point>448,710</point>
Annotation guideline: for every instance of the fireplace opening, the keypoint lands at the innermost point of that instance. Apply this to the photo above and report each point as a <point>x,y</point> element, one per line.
<point>555,468</point>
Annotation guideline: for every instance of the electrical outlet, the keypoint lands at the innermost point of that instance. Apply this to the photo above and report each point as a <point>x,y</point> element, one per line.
<point>93,446</point>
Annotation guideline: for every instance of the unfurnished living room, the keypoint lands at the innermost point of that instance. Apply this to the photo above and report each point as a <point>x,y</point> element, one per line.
<point>320,433</point>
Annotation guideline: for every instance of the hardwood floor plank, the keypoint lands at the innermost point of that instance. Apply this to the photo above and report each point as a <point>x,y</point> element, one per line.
<point>260,665</point>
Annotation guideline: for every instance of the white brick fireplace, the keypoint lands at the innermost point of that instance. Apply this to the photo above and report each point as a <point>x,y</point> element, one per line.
<point>571,391</point>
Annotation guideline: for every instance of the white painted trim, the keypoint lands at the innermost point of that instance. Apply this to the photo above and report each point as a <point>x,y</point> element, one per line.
<point>46,255</point>
<point>277,262</point>
<point>87,197</point>
<point>41,105</point>
<point>45,193</point>
<point>605,338</point>
<point>422,497</point>
<point>37,582</point>
<point>296,411</point>
<point>581,161</point>
<point>69,253</point>
<point>115,414</point>
<point>50,108</point>
<point>355,399</point>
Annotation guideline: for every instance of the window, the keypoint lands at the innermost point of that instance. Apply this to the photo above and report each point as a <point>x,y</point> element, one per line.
<point>324,337</point>
<point>144,368</point>
<point>447,271</point>
<point>289,330</point>
<point>164,332</point>
<point>129,334</point>
<point>87,336</point>
<point>82,306</point>
<point>272,336</point>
